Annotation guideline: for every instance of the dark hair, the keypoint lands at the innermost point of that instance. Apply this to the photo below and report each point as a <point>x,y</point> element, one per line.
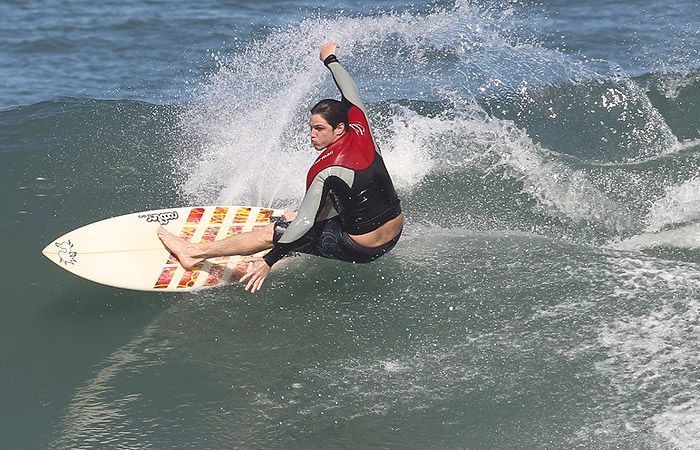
<point>332,111</point>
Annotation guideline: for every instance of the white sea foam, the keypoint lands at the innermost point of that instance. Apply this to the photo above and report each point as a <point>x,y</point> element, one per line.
<point>250,115</point>
<point>680,204</point>
<point>466,138</point>
<point>685,237</point>
<point>673,83</point>
<point>652,358</point>
<point>672,220</point>
<point>680,424</point>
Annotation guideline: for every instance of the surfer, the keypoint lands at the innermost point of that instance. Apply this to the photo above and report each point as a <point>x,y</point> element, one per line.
<point>350,210</point>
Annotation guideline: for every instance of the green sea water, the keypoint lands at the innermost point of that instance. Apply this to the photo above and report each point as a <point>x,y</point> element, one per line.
<point>544,293</point>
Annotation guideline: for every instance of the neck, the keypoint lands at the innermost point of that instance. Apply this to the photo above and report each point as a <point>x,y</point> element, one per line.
<point>337,138</point>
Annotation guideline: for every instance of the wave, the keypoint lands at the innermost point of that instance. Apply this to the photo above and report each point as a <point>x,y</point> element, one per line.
<point>676,95</point>
<point>480,126</point>
<point>480,129</point>
<point>91,158</point>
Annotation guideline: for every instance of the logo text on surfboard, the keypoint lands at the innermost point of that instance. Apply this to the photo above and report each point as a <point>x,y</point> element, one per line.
<point>162,218</point>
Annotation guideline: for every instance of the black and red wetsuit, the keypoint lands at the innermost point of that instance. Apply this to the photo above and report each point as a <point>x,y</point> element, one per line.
<point>351,173</point>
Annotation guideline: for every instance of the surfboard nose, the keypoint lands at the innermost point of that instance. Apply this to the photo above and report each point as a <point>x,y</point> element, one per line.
<point>51,252</point>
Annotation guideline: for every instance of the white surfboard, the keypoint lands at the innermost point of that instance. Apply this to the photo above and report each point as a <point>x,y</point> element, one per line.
<point>125,251</point>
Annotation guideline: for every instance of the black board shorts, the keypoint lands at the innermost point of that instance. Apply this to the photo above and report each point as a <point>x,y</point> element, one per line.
<point>328,240</point>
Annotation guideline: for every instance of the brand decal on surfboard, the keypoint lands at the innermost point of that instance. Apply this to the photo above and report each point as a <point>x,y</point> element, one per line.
<point>162,218</point>
<point>65,253</point>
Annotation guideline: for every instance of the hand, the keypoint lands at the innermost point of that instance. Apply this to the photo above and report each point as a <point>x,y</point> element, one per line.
<point>289,215</point>
<point>258,270</point>
<point>327,49</point>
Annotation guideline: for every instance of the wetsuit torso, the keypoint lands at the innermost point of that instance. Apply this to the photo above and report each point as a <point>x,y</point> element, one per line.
<point>351,173</point>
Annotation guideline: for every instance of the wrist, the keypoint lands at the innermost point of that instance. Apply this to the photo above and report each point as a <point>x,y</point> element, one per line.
<point>329,59</point>
<point>271,258</point>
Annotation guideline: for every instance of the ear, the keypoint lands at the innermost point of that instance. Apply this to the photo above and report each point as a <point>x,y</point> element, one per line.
<point>340,129</point>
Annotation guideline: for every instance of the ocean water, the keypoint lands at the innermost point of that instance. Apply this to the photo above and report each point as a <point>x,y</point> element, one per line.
<point>546,291</point>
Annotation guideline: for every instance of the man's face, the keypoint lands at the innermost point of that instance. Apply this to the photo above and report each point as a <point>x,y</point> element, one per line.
<point>322,134</point>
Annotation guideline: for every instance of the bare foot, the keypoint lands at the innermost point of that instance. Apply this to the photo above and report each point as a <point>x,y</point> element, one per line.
<point>179,247</point>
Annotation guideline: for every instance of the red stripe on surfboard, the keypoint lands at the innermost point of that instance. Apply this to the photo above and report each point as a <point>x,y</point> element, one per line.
<point>215,274</point>
<point>188,279</point>
<point>219,215</point>
<point>264,216</point>
<point>241,215</point>
<point>165,277</point>
<point>195,216</point>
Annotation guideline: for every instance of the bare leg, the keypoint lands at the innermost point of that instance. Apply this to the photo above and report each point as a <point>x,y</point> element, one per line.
<point>190,254</point>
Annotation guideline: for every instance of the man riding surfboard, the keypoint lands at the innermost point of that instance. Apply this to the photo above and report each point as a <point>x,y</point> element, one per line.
<point>350,210</point>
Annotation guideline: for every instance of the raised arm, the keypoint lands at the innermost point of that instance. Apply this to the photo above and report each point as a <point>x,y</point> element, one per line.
<point>343,80</point>
<point>345,83</point>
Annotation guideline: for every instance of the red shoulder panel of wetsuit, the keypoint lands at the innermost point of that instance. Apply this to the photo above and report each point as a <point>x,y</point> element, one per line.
<point>354,150</point>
